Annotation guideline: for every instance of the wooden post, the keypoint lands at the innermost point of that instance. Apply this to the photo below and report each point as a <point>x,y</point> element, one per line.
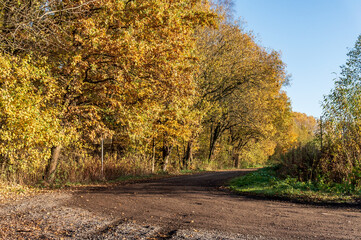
<point>153,156</point>
<point>102,157</point>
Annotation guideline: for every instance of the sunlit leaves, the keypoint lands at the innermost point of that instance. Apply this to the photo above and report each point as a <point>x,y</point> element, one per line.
<point>28,122</point>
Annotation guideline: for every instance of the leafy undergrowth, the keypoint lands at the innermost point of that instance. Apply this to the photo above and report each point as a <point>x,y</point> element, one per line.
<point>264,182</point>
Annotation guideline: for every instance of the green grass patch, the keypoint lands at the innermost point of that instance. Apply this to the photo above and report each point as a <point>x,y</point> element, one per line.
<point>264,182</point>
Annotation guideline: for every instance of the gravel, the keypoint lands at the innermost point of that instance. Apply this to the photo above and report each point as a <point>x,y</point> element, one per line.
<point>46,217</point>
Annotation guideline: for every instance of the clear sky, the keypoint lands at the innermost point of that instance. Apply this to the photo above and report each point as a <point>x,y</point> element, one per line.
<point>313,37</point>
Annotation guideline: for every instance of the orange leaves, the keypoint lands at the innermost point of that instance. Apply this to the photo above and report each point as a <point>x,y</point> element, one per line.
<point>133,62</point>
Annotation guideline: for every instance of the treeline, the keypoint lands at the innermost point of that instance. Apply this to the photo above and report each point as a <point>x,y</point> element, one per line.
<point>333,156</point>
<point>167,85</point>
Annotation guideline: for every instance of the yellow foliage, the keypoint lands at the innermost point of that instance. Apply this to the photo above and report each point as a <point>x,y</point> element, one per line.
<point>28,124</point>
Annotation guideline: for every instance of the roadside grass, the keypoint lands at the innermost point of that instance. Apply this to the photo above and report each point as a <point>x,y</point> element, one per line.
<point>264,182</point>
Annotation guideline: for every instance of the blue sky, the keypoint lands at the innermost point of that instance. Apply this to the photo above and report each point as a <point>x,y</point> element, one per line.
<point>313,37</point>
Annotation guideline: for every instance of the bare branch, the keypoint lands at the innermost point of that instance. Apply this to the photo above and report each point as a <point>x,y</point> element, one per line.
<point>67,9</point>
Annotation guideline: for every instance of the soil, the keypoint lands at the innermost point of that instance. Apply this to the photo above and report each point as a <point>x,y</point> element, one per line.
<point>183,207</point>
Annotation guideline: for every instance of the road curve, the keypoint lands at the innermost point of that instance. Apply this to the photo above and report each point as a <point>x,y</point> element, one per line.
<point>195,203</point>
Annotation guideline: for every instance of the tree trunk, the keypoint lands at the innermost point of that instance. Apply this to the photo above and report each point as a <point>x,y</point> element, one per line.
<point>52,164</point>
<point>215,133</point>
<point>236,160</point>
<point>166,153</point>
<point>180,159</point>
<point>153,157</point>
<point>188,157</point>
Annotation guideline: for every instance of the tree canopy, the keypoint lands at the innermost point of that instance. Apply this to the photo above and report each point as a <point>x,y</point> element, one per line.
<point>168,84</point>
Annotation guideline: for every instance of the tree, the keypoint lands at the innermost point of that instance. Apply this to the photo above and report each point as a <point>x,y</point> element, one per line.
<point>342,117</point>
<point>27,123</point>
<point>240,83</point>
<point>305,127</point>
<point>35,25</point>
<point>117,64</point>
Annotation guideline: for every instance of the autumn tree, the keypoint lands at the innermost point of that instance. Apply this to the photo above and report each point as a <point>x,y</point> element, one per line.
<point>121,67</point>
<point>240,83</point>
<point>305,127</point>
<point>27,122</point>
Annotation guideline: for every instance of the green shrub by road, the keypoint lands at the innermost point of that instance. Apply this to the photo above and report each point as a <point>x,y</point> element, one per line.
<point>264,182</point>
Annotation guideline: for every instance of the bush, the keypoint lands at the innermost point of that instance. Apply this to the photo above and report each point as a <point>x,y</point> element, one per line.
<point>301,162</point>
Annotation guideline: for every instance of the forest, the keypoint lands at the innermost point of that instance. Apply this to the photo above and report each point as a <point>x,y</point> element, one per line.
<point>159,86</point>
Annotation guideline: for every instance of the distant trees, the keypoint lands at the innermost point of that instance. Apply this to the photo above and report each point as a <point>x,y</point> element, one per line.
<point>305,127</point>
<point>301,159</point>
<point>339,160</point>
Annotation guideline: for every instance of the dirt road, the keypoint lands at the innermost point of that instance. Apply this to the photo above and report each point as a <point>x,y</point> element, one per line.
<point>184,207</point>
